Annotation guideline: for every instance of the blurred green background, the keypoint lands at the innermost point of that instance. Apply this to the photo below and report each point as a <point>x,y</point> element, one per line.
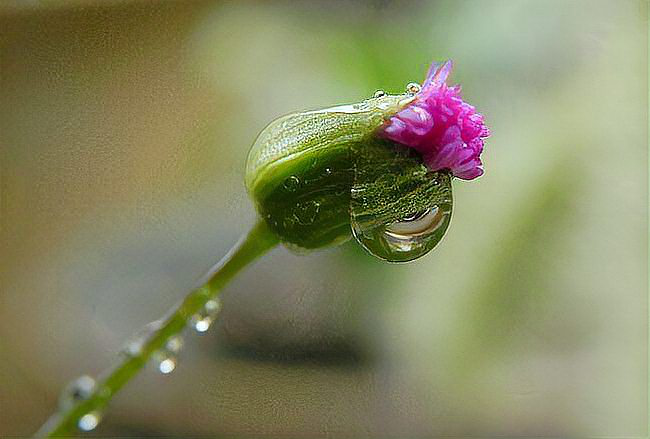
<point>124,132</point>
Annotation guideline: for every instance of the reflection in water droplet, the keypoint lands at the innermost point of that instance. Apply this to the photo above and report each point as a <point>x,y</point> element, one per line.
<point>379,93</point>
<point>292,183</point>
<point>413,88</point>
<point>202,320</point>
<point>78,390</point>
<point>408,239</point>
<point>89,421</point>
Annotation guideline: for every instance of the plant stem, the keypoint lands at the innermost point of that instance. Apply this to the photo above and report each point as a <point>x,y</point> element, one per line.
<point>258,241</point>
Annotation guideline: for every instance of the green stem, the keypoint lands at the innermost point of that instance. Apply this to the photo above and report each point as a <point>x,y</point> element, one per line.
<point>258,241</point>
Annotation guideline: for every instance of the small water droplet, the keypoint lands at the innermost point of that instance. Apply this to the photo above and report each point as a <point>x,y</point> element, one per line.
<point>305,213</point>
<point>379,94</point>
<point>167,357</point>
<point>78,390</point>
<point>202,320</point>
<point>89,421</point>
<point>405,240</point>
<point>413,88</point>
<point>167,365</point>
<point>174,344</point>
<point>328,171</point>
<point>133,346</point>
<point>292,183</point>
<point>202,326</point>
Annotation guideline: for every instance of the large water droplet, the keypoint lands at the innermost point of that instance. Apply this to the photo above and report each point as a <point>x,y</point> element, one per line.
<point>407,239</point>
<point>78,390</point>
<point>202,320</point>
<point>399,209</point>
<point>89,421</point>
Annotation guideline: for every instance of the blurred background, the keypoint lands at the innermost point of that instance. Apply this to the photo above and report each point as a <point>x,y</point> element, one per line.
<point>124,132</point>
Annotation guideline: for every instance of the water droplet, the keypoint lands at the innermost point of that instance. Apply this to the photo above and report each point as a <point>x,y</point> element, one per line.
<point>78,390</point>
<point>292,183</point>
<point>166,358</point>
<point>89,421</point>
<point>413,88</point>
<point>174,344</point>
<point>305,213</point>
<point>133,346</point>
<point>405,240</point>
<point>379,94</point>
<point>167,365</point>
<point>202,320</point>
<point>328,171</point>
<point>398,208</point>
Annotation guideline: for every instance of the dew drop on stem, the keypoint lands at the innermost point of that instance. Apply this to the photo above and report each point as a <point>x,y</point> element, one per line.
<point>202,320</point>
<point>174,344</point>
<point>133,346</point>
<point>78,390</point>
<point>167,358</point>
<point>167,364</point>
<point>89,421</point>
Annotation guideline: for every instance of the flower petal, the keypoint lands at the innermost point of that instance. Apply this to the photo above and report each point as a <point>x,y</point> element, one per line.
<point>447,131</point>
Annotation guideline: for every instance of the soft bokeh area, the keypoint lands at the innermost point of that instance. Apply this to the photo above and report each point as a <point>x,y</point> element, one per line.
<point>124,129</point>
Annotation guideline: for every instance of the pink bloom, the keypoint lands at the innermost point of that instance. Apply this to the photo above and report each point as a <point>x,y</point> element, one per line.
<point>447,131</point>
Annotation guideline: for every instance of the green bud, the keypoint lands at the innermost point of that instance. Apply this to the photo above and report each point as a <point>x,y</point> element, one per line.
<point>314,176</point>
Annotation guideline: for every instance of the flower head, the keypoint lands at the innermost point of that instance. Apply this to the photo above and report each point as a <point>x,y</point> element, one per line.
<point>447,131</point>
<point>310,172</point>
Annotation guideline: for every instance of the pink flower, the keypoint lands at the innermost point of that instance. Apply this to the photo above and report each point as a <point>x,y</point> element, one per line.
<point>447,131</point>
